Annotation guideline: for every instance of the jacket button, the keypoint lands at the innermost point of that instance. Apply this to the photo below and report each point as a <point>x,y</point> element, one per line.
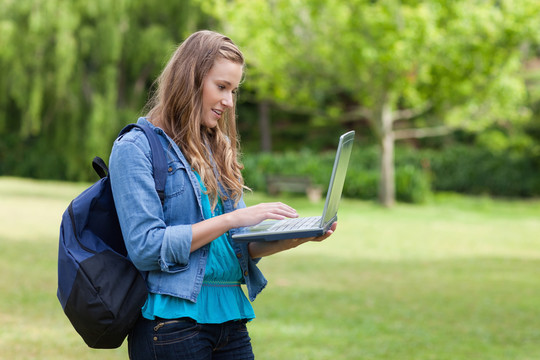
<point>246,273</point>
<point>169,169</point>
<point>239,255</point>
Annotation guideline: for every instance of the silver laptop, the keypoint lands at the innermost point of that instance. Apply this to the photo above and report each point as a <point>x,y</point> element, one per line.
<point>302,227</point>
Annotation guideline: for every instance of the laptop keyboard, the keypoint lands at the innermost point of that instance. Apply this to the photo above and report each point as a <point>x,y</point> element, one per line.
<point>296,224</point>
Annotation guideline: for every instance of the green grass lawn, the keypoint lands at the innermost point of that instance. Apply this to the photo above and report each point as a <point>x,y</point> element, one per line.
<point>457,278</point>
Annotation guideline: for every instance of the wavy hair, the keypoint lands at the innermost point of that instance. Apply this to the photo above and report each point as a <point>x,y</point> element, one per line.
<point>176,107</point>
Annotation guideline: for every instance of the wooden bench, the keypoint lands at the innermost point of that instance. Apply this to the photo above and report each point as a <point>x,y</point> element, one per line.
<point>275,184</point>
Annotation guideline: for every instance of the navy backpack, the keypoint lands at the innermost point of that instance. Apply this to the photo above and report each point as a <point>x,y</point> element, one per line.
<point>99,288</point>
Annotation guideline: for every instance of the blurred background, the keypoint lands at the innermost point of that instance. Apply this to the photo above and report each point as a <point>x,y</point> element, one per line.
<point>444,95</point>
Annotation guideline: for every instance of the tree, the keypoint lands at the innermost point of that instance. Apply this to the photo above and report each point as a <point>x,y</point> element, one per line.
<point>73,72</point>
<point>410,68</point>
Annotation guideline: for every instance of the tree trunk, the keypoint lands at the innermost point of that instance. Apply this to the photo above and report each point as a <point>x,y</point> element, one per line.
<point>387,189</point>
<point>264,126</point>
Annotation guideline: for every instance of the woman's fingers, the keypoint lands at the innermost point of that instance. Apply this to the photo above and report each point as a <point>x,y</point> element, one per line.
<point>274,211</point>
<point>255,214</point>
<point>325,235</point>
<point>328,233</point>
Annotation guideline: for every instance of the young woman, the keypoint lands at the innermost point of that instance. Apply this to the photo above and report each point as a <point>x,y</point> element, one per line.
<point>196,308</point>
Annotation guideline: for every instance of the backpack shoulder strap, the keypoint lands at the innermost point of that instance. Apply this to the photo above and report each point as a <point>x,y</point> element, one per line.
<point>159,162</point>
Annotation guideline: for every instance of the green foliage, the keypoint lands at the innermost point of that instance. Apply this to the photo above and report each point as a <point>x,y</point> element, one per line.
<point>460,57</point>
<point>459,168</point>
<point>397,66</point>
<point>74,72</point>
<point>475,170</point>
<point>412,182</point>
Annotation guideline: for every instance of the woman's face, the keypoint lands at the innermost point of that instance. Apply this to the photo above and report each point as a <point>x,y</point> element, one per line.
<point>219,87</point>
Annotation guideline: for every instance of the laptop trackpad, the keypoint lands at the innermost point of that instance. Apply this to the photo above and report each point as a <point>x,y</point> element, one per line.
<point>263,226</point>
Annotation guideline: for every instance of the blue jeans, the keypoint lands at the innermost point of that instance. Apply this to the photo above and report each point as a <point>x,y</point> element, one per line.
<point>185,339</point>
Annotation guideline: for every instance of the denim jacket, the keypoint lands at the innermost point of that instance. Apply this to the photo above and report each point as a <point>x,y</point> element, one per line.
<point>158,238</point>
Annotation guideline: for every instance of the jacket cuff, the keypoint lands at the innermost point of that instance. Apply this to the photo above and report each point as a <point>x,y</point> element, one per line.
<point>176,248</point>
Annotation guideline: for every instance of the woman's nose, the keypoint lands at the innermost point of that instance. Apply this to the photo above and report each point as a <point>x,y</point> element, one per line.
<point>227,100</point>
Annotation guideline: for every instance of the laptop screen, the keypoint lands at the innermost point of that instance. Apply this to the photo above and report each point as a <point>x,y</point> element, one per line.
<point>337,180</point>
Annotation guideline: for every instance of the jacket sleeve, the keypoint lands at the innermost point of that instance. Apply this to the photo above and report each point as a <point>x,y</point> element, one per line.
<point>151,244</point>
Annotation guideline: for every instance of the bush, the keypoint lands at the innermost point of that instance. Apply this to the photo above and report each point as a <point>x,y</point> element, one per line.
<point>463,169</point>
<point>475,170</point>
<point>412,182</point>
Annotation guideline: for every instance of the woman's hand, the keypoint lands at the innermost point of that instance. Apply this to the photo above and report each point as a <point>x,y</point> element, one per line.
<point>205,231</point>
<point>255,214</point>
<point>260,249</point>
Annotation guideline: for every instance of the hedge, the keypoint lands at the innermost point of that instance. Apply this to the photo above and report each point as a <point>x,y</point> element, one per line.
<point>418,173</point>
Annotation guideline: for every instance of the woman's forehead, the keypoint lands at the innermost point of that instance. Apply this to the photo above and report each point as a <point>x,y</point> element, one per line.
<point>226,70</point>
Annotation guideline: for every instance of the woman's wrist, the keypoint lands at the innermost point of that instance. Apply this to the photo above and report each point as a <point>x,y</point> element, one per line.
<point>228,222</point>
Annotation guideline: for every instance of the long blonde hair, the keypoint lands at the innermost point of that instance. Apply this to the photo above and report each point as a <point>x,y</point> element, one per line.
<point>176,107</point>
